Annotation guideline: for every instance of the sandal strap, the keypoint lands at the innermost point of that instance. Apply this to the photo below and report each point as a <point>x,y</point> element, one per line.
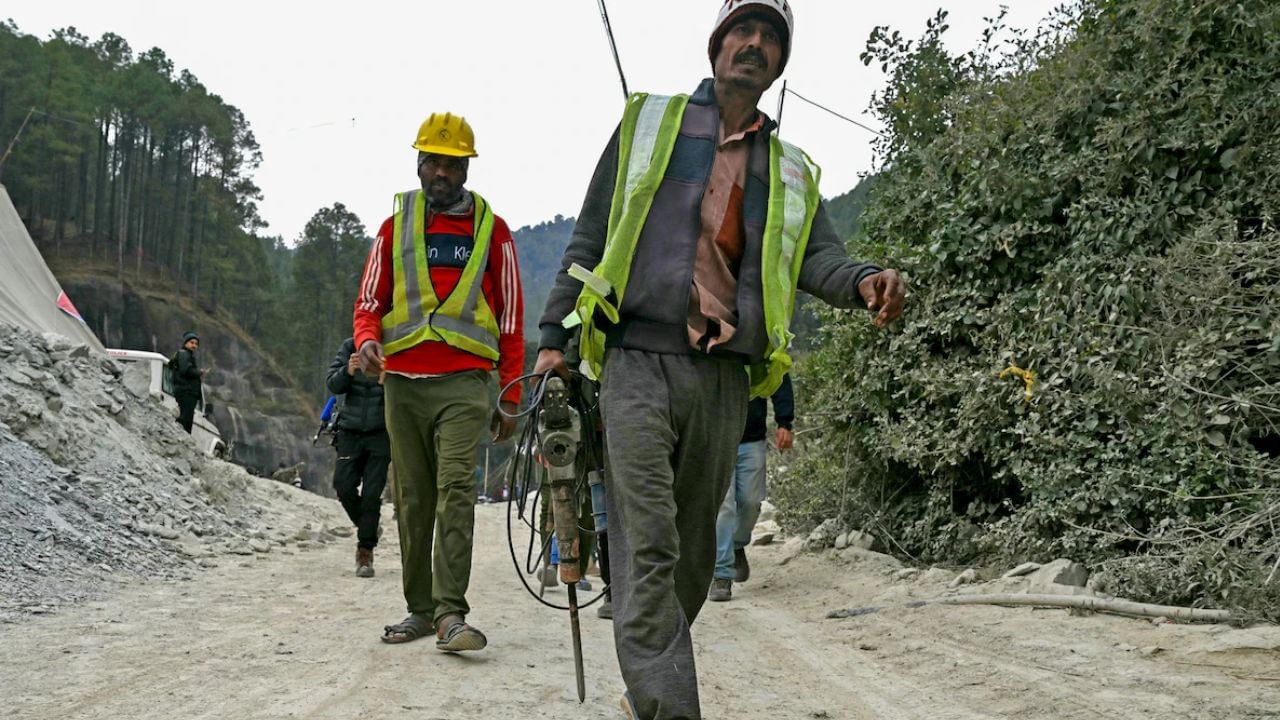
<point>414,625</point>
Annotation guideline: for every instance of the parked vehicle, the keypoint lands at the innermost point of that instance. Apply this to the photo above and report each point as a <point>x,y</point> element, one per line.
<point>149,372</point>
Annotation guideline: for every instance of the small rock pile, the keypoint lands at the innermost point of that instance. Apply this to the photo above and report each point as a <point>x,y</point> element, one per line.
<point>100,486</point>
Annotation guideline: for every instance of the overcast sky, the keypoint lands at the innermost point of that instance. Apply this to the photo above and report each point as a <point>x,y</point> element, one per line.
<point>335,91</point>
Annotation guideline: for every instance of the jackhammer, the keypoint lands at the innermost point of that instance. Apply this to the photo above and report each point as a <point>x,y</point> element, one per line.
<point>558,462</point>
<point>560,429</point>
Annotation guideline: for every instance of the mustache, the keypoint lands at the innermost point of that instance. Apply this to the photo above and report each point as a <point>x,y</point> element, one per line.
<point>752,54</point>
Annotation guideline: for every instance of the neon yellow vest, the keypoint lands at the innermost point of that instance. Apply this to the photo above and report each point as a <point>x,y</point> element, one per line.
<point>647,139</point>
<point>464,319</point>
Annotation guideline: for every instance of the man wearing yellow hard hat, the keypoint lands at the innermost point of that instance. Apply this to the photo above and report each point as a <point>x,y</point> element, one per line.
<point>698,227</point>
<point>440,307</point>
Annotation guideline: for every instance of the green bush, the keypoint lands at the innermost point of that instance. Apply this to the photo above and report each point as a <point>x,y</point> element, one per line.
<point>1090,361</point>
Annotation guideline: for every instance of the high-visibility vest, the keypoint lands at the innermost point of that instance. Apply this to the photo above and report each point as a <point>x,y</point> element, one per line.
<point>464,319</point>
<point>647,139</point>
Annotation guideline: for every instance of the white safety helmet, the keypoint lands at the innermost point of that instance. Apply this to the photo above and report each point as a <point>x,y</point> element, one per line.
<point>733,9</point>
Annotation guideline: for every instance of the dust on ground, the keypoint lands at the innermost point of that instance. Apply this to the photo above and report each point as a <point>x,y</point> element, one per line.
<point>292,633</point>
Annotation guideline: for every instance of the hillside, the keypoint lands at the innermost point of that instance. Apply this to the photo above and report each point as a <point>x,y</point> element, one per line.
<point>540,249</point>
<point>257,406</point>
<point>100,489</point>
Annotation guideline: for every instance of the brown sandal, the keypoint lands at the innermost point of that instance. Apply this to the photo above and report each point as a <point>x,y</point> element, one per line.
<point>458,636</point>
<point>411,628</point>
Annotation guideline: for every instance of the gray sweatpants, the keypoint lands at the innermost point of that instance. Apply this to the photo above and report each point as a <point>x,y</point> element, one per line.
<point>672,426</point>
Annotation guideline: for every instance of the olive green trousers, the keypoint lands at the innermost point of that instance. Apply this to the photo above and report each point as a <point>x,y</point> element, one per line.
<point>436,425</point>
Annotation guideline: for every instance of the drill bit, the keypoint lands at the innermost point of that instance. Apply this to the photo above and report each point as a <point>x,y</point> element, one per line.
<point>577,643</point>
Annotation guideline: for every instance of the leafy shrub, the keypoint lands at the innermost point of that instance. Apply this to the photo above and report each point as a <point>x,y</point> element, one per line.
<point>1090,363</point>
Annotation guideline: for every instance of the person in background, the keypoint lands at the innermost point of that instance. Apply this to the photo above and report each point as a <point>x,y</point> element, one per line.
<point>187,377</point>
<point>364,450</point>
<point>741,507</point>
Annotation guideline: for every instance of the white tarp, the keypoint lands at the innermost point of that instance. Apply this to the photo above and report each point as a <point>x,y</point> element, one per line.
<point>30,296</point>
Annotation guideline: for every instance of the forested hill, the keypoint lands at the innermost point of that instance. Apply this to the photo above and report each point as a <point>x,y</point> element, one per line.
<point>540,248</point>
<point>138,168</point>
<point>131,159</point>
<point>846,210</point>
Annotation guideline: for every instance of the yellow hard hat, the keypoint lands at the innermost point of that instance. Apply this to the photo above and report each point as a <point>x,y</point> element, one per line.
<point>446,134</point>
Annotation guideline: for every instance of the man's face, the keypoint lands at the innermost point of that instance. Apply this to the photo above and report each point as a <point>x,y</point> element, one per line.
<point>750,55</point>
<point>442,177</point>
<point>193,345</point>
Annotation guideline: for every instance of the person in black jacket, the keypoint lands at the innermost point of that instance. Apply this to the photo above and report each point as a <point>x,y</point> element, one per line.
<point>186,380</point>
<point>364,450</point>
<point>741,507</point>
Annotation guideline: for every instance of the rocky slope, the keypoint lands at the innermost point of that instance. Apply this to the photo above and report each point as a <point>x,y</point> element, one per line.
<point>256,405</point>
<point>100,487</point>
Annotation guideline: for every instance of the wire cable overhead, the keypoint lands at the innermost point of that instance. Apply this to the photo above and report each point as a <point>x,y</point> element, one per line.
<point>613,46</point>
<point>788,91</point>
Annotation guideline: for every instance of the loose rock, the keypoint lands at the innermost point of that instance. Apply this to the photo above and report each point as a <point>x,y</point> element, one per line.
<point>791,549</point>
<point>1059,572</point>
<point>1025,568</point>
<point>823,536</point>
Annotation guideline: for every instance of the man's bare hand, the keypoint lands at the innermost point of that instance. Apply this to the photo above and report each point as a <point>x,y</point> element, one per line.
<point>885,292</point>
<point>503,427</point>
<point>371,358</point>
<point>549,359</point>
<point>784,439</point>
<point>353,363</point>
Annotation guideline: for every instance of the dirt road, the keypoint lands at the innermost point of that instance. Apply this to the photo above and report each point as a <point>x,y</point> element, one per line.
<point>294,634</point>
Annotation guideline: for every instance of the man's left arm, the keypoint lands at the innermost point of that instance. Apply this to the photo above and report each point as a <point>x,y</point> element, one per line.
<point>827,272</point>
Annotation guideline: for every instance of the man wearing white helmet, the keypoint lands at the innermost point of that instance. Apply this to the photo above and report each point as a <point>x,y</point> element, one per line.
<point>698,227</point>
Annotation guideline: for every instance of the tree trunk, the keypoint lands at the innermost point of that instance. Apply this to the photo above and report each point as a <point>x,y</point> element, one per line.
<point>82,211</point>
<point>100,195</point>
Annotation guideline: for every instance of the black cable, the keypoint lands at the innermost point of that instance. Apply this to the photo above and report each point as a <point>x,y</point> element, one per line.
<point>613,46</point>
<point>523,468</point>
<point>833,112</point>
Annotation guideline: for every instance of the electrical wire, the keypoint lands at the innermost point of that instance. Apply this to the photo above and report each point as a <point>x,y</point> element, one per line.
<point>524,484</point>
<point>820,106</point>
<point>613,45</point>
<point>61,118</point>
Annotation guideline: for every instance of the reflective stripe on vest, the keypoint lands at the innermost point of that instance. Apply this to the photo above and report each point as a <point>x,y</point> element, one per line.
<point>650,126</point>
<point>464,319</point>
<point>644,151</point>
<point>793,202</point>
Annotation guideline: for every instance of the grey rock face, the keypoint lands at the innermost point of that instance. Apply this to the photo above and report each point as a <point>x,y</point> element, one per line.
<point>99,487</point>
<point>267,421</point>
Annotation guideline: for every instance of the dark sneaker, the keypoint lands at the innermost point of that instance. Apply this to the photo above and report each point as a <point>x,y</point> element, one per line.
<point>584,585</point>
<point>741,568</point>
<point>605,611</point>
<point>721,590</point>
<point>364,562</point>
